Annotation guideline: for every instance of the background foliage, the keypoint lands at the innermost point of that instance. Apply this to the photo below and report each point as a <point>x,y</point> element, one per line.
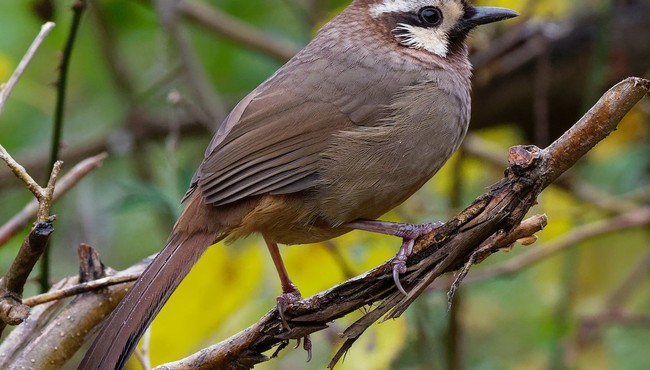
<point>126,71</point>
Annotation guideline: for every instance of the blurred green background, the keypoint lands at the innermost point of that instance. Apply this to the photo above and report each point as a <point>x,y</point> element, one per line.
<point>132,93</point>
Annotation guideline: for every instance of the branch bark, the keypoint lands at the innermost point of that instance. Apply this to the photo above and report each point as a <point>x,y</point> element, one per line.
<point>12,311</point>
<point>56,328</point>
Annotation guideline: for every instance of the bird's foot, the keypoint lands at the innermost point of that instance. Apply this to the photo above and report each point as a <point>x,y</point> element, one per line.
<point>409,234</point>
<point>289,296</point>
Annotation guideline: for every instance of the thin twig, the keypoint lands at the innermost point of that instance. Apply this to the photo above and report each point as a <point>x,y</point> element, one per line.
<point>43,195</point>
<point>20,172</point>
<point>212,108</point>
<point>526,228</point>
<point>79,289</point>
<point>61,86</point>
<point>7,88</point>
<point>634,219</point>
<point>62,83</point>
<point>12,311</point>
<point>67,182</point>
<point>240,32</point>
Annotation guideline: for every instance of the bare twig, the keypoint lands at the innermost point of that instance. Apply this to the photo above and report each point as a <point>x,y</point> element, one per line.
<point>78,8</point>
<point>223,24</point>
<point>49,342</point>
<point>6,89</point>
<point>43,195</point>
<point>12,311</point>
<point>67,182</point>
<point>212,108</point>
<point>488,152</point>
<point>80,289</point>
<point>149,130</point>
<point>634,219</point>
<point>497,241</point>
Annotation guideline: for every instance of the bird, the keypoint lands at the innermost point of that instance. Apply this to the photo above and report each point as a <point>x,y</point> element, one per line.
<point>345,131</point>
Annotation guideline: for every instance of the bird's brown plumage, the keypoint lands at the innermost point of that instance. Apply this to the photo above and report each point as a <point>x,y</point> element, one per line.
<point>349,128</point>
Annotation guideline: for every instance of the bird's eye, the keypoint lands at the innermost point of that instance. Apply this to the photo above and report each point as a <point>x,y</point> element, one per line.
<point>430,16</point>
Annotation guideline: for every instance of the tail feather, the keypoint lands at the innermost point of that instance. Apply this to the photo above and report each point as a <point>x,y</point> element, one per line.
<point>122,330</point>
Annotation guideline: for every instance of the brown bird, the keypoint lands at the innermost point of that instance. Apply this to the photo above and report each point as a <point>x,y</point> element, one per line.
<point>348,129</point>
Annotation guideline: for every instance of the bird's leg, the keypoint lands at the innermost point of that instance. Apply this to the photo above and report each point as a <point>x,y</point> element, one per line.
<point>408,232</point>
<point>290,292</point>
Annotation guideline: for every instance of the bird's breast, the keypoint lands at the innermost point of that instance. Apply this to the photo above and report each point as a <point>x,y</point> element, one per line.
<point>367,171</point>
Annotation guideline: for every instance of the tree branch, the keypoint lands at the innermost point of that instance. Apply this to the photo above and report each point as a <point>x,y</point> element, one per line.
<point>232,28</point>
<point>67,182</point>
<point>7,88</point>
<point>12,311</point>
<point>78,8</point>
<point>56,330</point>
<point>634,219</point>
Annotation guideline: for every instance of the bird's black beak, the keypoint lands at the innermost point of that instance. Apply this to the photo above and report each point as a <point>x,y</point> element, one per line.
<point>486,14</point>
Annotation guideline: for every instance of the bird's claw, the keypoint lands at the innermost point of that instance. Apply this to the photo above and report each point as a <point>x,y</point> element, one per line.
<point>398,284</point>
<point>283,301</point>
<point>409,233</point>
<point>306,345</point>
<point>399,262</point>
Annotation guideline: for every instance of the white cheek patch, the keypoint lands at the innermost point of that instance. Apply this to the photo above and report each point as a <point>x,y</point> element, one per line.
<point>432,40</point>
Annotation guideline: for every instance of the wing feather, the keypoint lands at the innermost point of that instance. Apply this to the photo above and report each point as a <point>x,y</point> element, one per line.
<point>274,139</point>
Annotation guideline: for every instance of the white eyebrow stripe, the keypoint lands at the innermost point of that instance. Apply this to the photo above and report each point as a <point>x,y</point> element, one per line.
<point>400,6</point>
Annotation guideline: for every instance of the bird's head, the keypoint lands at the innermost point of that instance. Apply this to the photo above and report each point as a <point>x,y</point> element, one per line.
<point>434,26</point>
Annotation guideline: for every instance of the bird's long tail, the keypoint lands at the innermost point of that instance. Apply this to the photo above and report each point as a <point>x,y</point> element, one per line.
<point>122,330</point>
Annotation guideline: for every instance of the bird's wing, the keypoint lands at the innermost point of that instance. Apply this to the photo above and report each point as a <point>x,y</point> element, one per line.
<point>271,143</point>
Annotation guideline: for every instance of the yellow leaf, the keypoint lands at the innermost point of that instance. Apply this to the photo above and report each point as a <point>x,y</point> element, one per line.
<point>377,347</point>
<point>223,281</point>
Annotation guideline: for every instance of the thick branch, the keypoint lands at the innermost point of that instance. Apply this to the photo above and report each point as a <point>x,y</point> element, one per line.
<point>12,311</point>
